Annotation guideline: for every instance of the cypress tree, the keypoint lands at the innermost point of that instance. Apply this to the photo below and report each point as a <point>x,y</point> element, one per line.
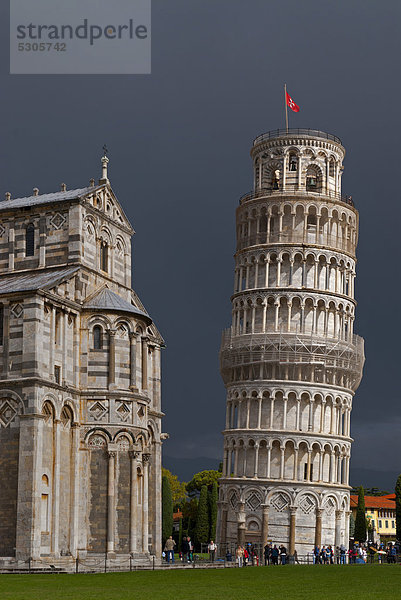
<point>202,518</point>
<point>180,536</point>
<point>213,497</point>
<point>351,526</point>
<point>360,520</point>
<point>398,507</point>
<point>167,509</point>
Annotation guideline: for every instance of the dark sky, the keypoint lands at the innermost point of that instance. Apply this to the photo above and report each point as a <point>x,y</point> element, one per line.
<point>179,143</point>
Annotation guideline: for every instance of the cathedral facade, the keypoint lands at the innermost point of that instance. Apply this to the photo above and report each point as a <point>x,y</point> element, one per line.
<point>290,361</point>
<point>80,396</point>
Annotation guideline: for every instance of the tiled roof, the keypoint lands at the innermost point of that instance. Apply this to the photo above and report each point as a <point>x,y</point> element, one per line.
<point>35,280</point>
<point>46,198</point>
<point>374,502</point>
<point>108,300</point>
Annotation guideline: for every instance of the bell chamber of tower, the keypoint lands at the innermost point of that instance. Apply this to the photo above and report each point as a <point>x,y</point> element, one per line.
<point>290,361</point>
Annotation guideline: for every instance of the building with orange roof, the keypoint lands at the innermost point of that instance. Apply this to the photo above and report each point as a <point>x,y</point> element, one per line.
<point>380,510</point>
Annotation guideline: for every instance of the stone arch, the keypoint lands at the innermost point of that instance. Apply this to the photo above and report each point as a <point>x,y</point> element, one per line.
<point>253,526</point>
<point>98,431</point>
<point>99,319</point>
<point>69,403</point>
<point>153,429</point>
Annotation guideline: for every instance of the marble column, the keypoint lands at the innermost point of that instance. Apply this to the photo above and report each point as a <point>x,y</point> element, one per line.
<point>241,524</point>
<point>145,503</point>
<point>318,527</point>
<point>110,501</point>
<point>265,523</point>
<point>346,528</point>
<point>293,512</point>
<point>133,454</point>
<point>75,470</point>
<point>337,539</point>
<point>56,489</point>
<point>256,460</point>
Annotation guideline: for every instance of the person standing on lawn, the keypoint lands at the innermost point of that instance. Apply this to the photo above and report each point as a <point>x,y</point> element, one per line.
<point>266,553</point>
<point>169,549</point>
<point>212,547</point>
<point>185,549</point>
<point>190,550</point>
<point>240,556</point>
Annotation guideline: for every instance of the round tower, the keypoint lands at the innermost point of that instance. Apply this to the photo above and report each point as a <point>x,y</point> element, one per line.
<point>290,361</point>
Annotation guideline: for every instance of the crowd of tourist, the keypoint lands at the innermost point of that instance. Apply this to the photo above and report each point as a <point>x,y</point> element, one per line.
<point>274,554</point>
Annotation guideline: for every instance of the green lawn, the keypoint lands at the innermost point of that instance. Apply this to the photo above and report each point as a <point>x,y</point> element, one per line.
<point>250,583</point>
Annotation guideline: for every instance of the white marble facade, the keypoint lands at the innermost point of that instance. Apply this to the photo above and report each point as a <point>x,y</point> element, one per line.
<point>80,383</point>
<point>290,361</point>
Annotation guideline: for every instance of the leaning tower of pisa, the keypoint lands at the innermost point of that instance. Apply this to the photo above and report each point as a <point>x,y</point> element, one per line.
<point>290,361</point>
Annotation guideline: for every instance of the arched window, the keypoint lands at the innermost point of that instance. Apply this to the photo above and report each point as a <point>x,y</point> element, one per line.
<point>104,256</point>
<point>331,168</point>
<point>97,337</point>
<point>30,240</point>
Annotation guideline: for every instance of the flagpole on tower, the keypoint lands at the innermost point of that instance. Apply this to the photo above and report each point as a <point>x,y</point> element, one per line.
<point>286,109</point>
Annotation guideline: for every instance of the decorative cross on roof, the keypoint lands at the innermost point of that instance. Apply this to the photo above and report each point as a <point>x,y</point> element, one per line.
<point>105,150</point>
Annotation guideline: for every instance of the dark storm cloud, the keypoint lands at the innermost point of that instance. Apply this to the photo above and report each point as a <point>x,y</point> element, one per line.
<point>179,144</point>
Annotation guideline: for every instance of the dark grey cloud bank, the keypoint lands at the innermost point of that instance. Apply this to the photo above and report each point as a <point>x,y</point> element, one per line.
<point>179,144</point>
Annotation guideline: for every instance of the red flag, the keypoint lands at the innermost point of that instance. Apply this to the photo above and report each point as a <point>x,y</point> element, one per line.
<point>291,103</point>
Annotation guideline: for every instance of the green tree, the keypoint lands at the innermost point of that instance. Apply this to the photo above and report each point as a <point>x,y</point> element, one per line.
<point>398,507</point>
<point>202,518</point>
<point>179,536</point>
<point>167,509</point>
<point>189,512</point>
<point>213,498</point>
<point>178,488</point>
<point>206,478</point>
<point>360,519</point>
<point>351,526</point>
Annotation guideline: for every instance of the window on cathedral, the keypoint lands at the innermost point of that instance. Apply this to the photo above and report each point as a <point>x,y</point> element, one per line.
<point>97,338</point>
<point>104,256</point>
<point>57,374</point>
<point>331,168</point>
<point>1,324</point>
<point>30,240</point>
